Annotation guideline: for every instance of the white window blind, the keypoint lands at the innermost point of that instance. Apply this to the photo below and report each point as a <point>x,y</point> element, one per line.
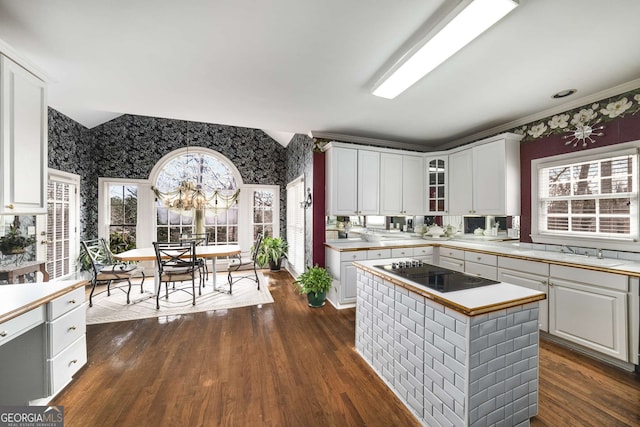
<point>596,197</point>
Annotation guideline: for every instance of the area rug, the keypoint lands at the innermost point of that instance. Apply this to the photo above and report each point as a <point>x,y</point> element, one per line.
<point>114,308</point>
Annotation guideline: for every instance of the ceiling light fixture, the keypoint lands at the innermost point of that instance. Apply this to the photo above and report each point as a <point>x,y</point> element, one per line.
<point>466,22</point>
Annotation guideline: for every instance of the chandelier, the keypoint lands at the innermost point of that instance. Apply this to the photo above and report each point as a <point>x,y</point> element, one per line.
<point>188,196</point>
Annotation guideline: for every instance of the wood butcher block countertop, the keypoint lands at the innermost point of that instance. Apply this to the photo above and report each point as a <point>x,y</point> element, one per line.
<point>21,298</point>
<point>471,302</point>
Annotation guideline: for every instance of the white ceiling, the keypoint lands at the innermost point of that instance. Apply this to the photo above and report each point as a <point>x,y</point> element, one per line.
<point>300,66</point>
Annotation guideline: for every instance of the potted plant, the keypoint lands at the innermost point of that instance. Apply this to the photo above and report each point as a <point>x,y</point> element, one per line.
<point>271,251</point>
<point>14,242</point>
<point>315,282</point>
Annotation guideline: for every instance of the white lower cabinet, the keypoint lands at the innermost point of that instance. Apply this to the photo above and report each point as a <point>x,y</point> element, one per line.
<point>529,274</point>
<point>66,338</point>
<point>341,268</point>
<point>590,308</point>
<point>482,265</point>
<point>450,258</point>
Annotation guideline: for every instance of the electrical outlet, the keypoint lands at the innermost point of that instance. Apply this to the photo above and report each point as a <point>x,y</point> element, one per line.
<point>31,230</point>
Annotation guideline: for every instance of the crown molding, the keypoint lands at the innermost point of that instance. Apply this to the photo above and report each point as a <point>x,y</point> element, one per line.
<point>370,141</point>
<point>567,106</point>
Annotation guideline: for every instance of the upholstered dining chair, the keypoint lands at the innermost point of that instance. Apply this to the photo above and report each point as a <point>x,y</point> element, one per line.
<point>237,262</point>
<point>177,262</point>
<point>106,269</point>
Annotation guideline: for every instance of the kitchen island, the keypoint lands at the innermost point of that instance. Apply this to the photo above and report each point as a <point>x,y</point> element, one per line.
<point>462,358</point>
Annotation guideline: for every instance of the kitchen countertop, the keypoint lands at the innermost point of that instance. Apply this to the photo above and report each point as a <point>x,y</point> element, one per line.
<point>506,249</point>
<point>21,298</point>
<point>471,302</point>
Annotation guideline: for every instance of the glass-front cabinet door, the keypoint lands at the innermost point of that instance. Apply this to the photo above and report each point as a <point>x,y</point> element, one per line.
<point>437,185</point>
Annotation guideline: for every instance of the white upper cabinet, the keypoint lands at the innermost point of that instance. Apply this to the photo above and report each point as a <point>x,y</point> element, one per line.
<point>485,179</point>
<point>402,185</point>
<point>352,181</point>
<point>23,140</point>
<point>368,182</point>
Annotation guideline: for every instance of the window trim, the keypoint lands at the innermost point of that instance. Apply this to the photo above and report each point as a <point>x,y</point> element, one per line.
<point>538,236</point>
<point>146,230</point>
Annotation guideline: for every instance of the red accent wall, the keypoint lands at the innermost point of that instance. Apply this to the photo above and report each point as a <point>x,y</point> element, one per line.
<point>615,132</point>
<point>318,207</point>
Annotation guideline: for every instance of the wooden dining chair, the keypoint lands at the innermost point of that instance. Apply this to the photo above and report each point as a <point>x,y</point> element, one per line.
<point>177,262</point>
<point>106,269</point>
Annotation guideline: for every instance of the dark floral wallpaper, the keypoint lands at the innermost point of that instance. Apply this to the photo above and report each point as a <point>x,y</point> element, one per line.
<point>300,162</point>
<point>129,146</point>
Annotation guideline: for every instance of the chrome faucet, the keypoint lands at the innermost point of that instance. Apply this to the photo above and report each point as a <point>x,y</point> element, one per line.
<point>566,248</point>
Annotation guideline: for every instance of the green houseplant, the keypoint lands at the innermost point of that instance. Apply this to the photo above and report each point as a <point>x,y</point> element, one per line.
<point>14,242</point>
<point>315,282</point>
<point>271,251</point>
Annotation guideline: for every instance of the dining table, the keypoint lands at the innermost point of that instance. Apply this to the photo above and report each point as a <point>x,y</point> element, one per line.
<point>212,252</point>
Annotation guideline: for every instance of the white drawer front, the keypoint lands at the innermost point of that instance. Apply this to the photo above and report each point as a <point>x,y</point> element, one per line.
<point>353,256</point>
<point>481,258</point>
<point>601,279</point>
<point>482,270</point>
<point>18,325</point>
<point>378,253</point>
<point>66,364</point>
<point>66,329</point>
<point>65,303</point>
<point>524,266</point>
<point>452,263</point>
<point>452,253</point>
<point>402,253</point>
<point>425,251</point>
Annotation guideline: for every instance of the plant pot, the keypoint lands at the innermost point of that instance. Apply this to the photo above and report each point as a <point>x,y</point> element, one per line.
<point>13,251</point>
<point>275,265</point>
<point>316,301</point>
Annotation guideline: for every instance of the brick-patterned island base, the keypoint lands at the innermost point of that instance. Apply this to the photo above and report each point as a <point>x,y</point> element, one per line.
<point>449,368</point>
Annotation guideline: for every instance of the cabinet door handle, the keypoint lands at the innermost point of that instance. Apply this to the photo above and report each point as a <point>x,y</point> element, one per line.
<point>479,258</point>
<point>72,301</point>
<point>544,283</point>
<point>10,206</point>
<point>3,334</point>
<point>354,256</point>
<point>73,362</point>
<point>550,284</point>
<point>72,328</point>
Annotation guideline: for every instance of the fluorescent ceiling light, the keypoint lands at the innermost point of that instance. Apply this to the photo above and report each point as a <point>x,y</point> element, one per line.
<point>465,26</point>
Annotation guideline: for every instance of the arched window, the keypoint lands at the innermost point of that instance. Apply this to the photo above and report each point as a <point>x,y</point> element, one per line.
<point>212,173</point>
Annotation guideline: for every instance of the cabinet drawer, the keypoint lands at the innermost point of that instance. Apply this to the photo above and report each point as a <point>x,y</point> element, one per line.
<point>451,263</point>
<point>401,253</point>
<point>524,266</point>
<point>482,270</point>
<point>66,364</point>
<point>481,258</point>
<point>378,253</point>
<point>452,253</point>
<point>66,329</point>
<point>425,251</point>
<point>353,256</point>
<point>65,303</point>
<point>21,324</point>
<point>596,278</point>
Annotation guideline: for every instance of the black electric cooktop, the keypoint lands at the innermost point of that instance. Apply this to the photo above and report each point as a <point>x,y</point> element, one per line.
<point>434,277</point>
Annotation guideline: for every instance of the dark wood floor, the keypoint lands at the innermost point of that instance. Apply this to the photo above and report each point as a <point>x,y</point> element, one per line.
<point>285,364</point>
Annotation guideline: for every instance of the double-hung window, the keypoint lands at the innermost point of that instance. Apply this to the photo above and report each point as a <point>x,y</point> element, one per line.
<point>593,197</point>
